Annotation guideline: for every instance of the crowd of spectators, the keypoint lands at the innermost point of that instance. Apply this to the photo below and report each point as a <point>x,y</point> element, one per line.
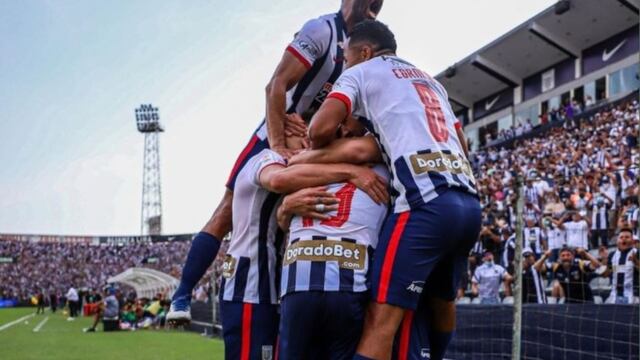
<point>580,189</point>
<point>51,269</point>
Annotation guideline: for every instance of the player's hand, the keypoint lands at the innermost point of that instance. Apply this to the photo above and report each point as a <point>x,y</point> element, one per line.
<point>547,253</point>
<point>580,251</point>
<point>311,202</point>
<point>295,126</point>
<point>373,184</point>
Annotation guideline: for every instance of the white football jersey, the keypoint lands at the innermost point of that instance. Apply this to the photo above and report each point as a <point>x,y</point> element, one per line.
<point>319,46</point>
<point>334,254</point>
<point>409,113</point>
<point>249,270</point>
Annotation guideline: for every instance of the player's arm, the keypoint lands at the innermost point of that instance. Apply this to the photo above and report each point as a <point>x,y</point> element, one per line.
<point>285,180</point>
<point>308,45</point>
<point>324,124</point>
<point>360,150</point>
<point>340,103</point>
<point>288,73</point>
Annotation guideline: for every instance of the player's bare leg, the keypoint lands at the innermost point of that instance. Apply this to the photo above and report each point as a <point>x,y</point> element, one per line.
<point>202,253</point>
<point>380,326</point>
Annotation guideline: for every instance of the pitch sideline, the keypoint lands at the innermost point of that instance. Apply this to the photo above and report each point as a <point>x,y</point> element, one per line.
<point>41,324</point>
<point>8,325</point>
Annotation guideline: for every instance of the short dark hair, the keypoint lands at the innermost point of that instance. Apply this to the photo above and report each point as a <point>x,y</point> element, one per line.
<point>566,248</point>
<point>626,229</point>
<point>376,33</point>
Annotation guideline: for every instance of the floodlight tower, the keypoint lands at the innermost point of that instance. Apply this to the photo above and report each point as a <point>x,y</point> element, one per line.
<point>148,123</point>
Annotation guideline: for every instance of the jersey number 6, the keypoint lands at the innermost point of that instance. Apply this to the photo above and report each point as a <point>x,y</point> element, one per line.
<point>433,111</point>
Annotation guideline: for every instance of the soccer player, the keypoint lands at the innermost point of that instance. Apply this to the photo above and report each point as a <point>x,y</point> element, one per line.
<point>325,276</point>
<point>436,215</point>
<point>308,68</point>
<point>248,290</point>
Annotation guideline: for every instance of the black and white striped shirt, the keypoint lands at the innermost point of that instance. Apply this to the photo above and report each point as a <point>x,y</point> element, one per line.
<point>623,272</point>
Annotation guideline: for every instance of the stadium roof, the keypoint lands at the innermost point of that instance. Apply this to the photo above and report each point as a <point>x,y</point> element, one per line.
<point>553,35</point>
<point>146,282</point>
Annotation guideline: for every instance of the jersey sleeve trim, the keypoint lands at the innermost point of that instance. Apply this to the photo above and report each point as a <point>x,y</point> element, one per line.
<point>266,166</point>
<point>458,125</point>
<point>341,97</point>
<point>299,56</point>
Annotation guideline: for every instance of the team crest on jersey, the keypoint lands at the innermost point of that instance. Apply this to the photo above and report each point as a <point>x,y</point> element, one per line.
<point>348,255</point>
<point>228,266</point>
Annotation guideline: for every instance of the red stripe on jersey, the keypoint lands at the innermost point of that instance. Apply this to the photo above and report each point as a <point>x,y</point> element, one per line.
<point>277,355</point>
<point>242,157</point>
<point>405,335</point>
<point>342,97</point>
<point>390,256</point>
<point>299,56</point>
<point>246,331</point>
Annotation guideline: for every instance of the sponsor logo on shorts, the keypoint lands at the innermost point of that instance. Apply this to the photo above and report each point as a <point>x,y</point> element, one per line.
<point>440,162</point>
<point>228,266</point>
<point>416,287</point>
<point>267,352</point>
<point>424,353</point>
<point>348,255</point>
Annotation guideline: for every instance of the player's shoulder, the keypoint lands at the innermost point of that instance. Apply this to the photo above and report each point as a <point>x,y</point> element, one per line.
<point>318,27</point>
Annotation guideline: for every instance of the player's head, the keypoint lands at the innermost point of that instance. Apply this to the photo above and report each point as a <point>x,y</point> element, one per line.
<point>356,11</point>
<point>367,40</point>
<point>625,239</point>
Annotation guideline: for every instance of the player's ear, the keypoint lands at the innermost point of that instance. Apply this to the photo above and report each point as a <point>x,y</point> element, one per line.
<point>367,52</point>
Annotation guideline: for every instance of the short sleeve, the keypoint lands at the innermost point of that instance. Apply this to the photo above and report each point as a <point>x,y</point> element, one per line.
<point>347,89</point>
<point>263,160</point>
<point>311,42</point>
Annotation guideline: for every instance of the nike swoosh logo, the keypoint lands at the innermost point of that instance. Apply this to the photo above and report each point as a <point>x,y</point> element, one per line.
<point>488,105</point>
<point>607,55</point>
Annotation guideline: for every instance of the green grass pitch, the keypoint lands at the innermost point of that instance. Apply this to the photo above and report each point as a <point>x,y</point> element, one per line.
<point>58,338</point>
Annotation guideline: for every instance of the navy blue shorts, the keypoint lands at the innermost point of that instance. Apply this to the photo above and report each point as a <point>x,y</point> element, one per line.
<point>250,331</point>
<point>425,249</point>
<point>254,146</point>
<point>412,339</point>
<point>321,325</point>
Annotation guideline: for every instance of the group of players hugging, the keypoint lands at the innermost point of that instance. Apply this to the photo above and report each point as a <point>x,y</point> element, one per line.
<point>353,207</point>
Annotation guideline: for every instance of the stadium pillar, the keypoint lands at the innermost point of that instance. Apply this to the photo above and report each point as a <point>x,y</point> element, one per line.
<point>517,290</point>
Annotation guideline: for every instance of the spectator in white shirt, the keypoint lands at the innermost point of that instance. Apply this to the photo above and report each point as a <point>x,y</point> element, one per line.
<point>556,237</point>
<point>577,230</point>
<point>487,279</point>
